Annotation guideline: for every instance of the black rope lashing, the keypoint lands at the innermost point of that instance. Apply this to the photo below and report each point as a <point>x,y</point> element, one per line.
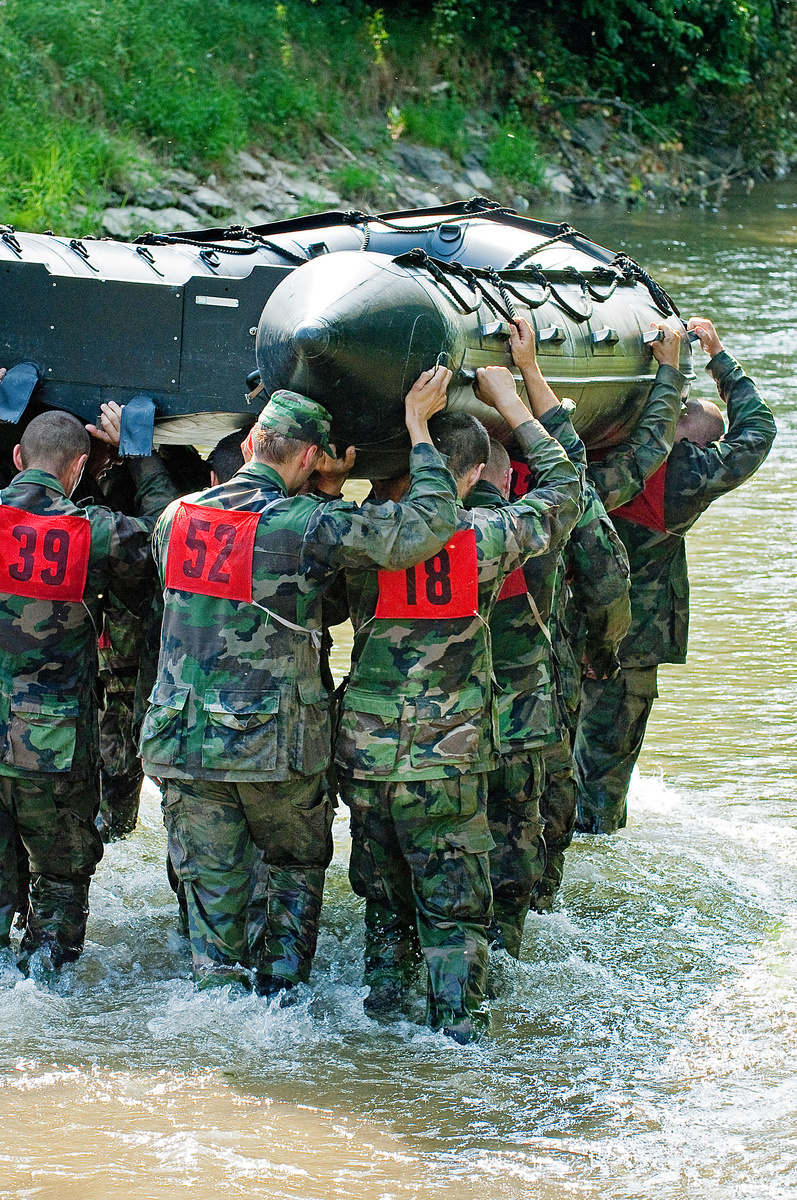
<point>418,257</point>
<point>258,243</point>
<point>564,231</point>
<point>662,301</point>
<point>498,283</point>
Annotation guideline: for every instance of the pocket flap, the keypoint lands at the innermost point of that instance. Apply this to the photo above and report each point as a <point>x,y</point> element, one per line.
<point>241,704</point>
<point>311,691</point>
<point>434,708</point>
<point>44,706</point>
<point>167,695</point>
<point>357,700</point>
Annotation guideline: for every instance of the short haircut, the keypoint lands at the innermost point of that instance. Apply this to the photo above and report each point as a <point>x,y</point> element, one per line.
<point>701,423</point>
<point>461,437</point>
<point>498,463</point>
<point>226,457</point>
<point>53,441</point>
<point>274,447</point>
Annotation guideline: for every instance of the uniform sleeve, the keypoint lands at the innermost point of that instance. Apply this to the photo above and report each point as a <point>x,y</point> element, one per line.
<point>154,487</point>
<point>598,575</point>
<point>557,421</point>
<point>696,475</point>
<point>391,536</point>
<point>622,474</point>
<point>543,518</point>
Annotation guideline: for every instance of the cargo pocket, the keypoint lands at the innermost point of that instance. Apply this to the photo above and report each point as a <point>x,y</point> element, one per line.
<point>368,735</point>
<point>240,731</point>
<point>162,731</point>
<point>41,733</point>
<point>448,730</point>
<point>312,744</point>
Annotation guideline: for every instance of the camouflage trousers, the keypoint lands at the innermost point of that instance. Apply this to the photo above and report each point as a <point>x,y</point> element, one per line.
<point>121,773</point>
<point>517,860</point>
<point>558,810</point>
<point>52,819</point>
<point>611,728</point>
<point>237,917</point>
<point>420,859</point>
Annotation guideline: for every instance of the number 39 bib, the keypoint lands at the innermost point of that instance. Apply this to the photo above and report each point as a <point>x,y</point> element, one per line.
<point>43,556</point>
<point>445,585</point>
<point>211,550</point>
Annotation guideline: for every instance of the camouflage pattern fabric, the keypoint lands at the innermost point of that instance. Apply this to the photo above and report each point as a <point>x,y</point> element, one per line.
<point>558,812</point>
<point>621,474</point>
<point>695,476</point>
<point>419,700</point>
<point>53,817</point>
<point>121,775</point>
<point>517,861</point>
<point>48,706</point>
<point>614,715</point>
<point>239,693</point>
<point>420,860</point>
<point>420,710</point>
<point>240,699</point>
<point>215,828</point>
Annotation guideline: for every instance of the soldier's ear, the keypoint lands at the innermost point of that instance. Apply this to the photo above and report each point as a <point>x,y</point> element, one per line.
<point>17,457</point>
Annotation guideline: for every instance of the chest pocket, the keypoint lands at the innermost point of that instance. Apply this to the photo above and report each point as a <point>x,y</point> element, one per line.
<point>240,730</point>
<point>41,733</point>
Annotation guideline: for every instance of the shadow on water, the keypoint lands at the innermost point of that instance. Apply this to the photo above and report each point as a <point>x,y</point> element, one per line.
<point>643,1047</point>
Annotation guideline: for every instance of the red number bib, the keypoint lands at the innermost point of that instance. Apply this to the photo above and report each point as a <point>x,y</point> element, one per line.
<point>446,585</point>
<point>521,480</point>
<point>514,585</point>
<point>44,556</point>
<point>211,550</point>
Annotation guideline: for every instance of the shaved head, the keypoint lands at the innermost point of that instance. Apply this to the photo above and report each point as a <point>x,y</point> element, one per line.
<point>498,468</point>
<point>53,442</point>
<point>702,423</point>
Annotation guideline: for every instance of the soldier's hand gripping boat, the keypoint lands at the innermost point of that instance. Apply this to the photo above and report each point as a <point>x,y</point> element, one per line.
<point>345,307</point>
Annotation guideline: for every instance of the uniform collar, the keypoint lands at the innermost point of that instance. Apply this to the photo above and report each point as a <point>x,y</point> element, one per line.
<point>260,472</point>
<point>486,495</point>
<point>43,478</point>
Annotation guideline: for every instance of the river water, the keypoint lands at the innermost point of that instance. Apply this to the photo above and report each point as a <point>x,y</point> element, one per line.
<point>646,1044</point>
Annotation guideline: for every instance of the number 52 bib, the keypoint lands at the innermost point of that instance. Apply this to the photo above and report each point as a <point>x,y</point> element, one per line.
<point>445,585</point>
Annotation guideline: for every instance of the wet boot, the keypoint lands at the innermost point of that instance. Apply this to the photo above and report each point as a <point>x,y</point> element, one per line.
<point>393,961</point>
<point>282,924</point>
<point>59,910</point>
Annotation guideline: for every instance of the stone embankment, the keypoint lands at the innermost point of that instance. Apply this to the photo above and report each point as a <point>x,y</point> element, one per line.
<point>597,157</point>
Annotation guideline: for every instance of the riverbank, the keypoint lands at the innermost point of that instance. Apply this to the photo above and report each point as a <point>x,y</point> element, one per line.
<point>126,115</point>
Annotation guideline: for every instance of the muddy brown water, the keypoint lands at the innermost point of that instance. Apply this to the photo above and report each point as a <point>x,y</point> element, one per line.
<point>646,1044</point>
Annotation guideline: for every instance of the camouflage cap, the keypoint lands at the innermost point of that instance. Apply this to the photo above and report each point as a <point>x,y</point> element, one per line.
<point>296,416</point>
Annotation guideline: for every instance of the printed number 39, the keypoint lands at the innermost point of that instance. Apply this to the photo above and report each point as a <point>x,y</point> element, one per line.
<point>55,550</point>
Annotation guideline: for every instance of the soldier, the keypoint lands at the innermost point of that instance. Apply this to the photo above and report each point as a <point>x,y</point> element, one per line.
<point>705,463</point>
<point>239,727</point>
<point>521,651</point>
<point>587,597</point>
<point>416,735</point>
<point>57,561</point>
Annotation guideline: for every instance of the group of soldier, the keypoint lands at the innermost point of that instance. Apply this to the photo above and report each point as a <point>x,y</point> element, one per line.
<point>507,634</point>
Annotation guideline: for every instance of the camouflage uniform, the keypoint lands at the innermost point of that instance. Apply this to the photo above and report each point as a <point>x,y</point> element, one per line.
<point>49,782</point>
<point>590,618</point>
<point>417,735</point>
<point>615,712</point>
<point>239,722</point>
<point>522,667</point>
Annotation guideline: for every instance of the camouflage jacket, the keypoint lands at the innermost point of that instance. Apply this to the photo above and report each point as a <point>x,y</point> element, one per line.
<point>522,644</point>
<point>239,692</point>
<point>695,476</point>
<point>620,474</point>
<point>48,649</point>
<point>592,608</point>
<point>420,699</point>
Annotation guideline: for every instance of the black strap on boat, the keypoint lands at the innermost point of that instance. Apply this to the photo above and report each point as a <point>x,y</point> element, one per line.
<point>632,270</point>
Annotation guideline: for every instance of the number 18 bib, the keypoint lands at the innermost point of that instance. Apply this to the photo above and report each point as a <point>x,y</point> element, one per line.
<point>211,550</point>
<point>445,585</point>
